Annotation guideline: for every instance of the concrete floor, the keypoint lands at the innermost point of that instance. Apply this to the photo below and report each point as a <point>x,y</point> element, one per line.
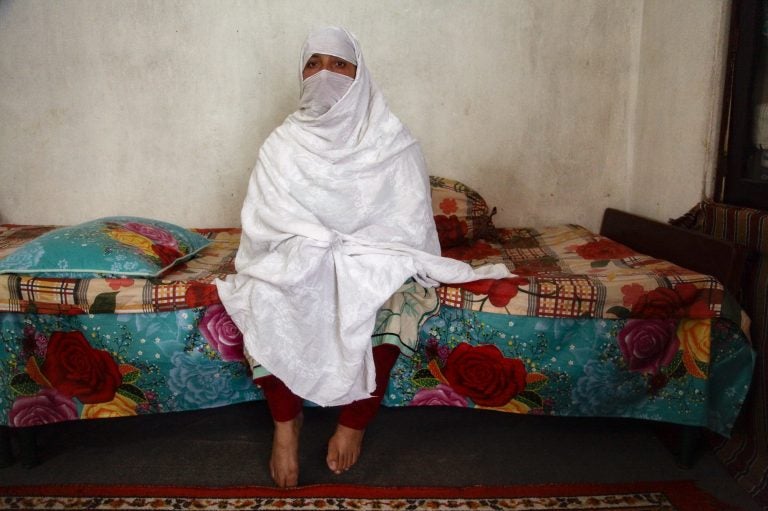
<point>429,446</point>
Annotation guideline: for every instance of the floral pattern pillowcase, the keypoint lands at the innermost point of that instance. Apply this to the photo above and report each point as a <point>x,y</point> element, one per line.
<point>106,247</point>
<point>461,214</point>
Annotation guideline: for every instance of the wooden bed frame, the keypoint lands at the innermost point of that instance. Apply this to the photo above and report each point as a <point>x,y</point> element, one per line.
<point>689,249</point>
<point>692,250</point>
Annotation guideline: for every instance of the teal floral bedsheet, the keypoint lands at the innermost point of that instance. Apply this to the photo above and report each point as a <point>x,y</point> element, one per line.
<point>68,367</point>
<point>577,367</point>
<point>588,328</point>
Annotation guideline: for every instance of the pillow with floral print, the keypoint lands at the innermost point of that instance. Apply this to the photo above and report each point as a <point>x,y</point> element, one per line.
<point>106,247</point>
<point>461,214</point>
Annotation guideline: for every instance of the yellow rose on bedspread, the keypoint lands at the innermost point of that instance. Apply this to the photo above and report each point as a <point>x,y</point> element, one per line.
<point>695,336</point>
<point>120,406</point>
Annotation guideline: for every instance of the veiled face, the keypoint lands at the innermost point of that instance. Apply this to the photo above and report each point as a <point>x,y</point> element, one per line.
<point>320,61</point>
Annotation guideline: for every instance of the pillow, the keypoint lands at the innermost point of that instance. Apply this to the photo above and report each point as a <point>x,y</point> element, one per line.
<point>110,246</point>
<point>738,224</point>
<point>461,215</point>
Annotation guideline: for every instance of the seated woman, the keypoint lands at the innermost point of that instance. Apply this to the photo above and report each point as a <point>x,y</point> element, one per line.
<point>336,219</point>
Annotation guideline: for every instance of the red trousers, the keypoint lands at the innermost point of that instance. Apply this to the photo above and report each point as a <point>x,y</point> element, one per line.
<point>284,405</point>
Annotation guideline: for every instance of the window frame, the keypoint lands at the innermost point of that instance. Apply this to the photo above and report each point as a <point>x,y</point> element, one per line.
<point>731,184</point>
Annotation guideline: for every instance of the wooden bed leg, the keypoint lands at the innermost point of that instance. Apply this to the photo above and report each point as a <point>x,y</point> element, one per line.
<point>28,447</point>
<point>6,454</point>
<point>690,439</point>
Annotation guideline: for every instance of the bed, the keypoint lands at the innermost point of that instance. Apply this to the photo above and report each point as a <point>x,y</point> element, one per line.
<point>591,325</point>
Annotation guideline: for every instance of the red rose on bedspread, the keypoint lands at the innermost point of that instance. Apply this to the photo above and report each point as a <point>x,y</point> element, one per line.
<point>76,369</point>
<point>483,374</point>
<point>222,333</point>
<point>451,231</point>
<point>499,291</point>
<point>166,254</point>
<point>648,344</point>
<point>199,294</point>
<point>603,249</point>
<point>684,301</point>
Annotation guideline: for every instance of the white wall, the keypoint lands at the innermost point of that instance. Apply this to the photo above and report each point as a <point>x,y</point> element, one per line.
<point>678,106</point>
<point>552,110</point>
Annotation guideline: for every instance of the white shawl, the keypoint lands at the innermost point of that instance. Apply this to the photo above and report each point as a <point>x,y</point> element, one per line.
<point>337,216</point>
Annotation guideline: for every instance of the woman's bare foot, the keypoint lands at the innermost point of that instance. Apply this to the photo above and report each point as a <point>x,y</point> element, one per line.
<point>284,462</point>
<point>344,448</point>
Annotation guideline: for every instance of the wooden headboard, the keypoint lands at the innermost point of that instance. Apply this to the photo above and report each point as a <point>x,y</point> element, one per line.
<point>690,249</point>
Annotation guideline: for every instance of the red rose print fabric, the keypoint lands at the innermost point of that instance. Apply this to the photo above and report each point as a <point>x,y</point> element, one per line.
<point>76,369</point>
<point>483,374</point>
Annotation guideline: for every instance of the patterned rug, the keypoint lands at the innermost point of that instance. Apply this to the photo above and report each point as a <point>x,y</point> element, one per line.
<point>666,496</point>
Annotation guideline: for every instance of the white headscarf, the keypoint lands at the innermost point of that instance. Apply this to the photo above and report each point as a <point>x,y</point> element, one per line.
<point>337,216</point>
<point>322,90</point>
<point>334,41</point>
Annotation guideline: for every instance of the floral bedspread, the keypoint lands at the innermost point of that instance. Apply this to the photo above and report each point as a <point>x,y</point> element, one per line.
<point>562,271</point>
<point>587,327</point>
<point>188,285</point>
<point>566,271</point>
